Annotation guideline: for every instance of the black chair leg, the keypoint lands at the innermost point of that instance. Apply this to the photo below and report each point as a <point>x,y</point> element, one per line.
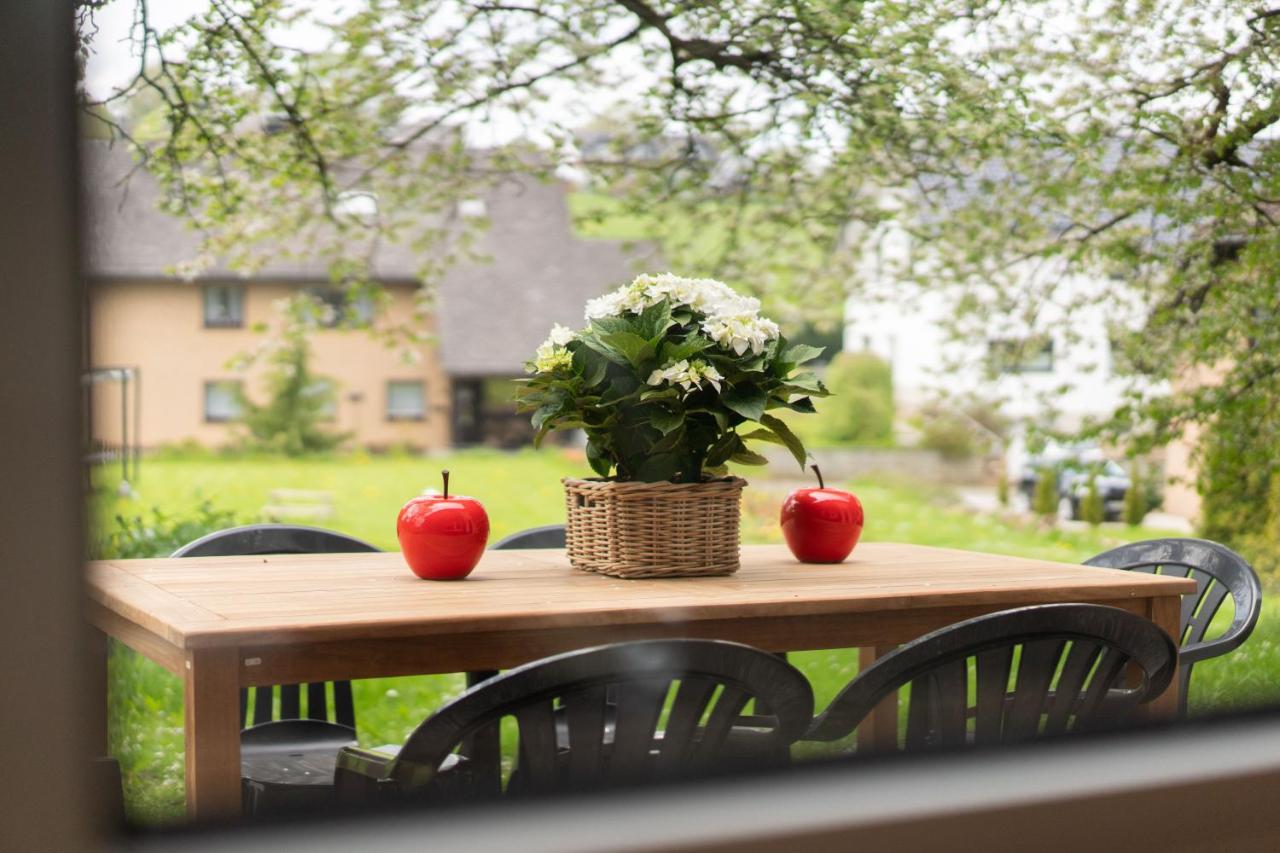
<point>484,748</point>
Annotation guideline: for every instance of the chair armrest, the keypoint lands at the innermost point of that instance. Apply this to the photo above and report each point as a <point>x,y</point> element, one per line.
<point>361,775</point>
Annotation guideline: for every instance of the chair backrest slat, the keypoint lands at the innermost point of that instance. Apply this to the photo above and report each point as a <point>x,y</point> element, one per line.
<point>994,668</point>
<point>585,710</point>
<point>639,707</point>
<point>536,723</point>
<point>1071,681</point>
<point>1036,667</point>
<point>686,713</point>
<point>344,709</point>
<point>290,701</point>
<point>267,539</point>
<point>1211,601</point>
<point>611,702</point>
<point>1057,686</point>
<point>317,702</point>
<point>264,702</point>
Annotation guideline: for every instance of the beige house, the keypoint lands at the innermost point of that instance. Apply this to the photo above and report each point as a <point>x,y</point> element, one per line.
<point>175,339</point>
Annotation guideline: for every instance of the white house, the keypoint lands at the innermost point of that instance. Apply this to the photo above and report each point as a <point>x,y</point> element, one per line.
<point>1052,363</point>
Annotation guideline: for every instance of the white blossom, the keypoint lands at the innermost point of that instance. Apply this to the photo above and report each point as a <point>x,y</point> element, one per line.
<point>561,335</point>
<point>549,358</point>
<point>689,376</point>
<point>740,332</point>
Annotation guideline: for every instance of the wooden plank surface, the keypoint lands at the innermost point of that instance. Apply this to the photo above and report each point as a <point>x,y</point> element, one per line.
<point>254,601</point>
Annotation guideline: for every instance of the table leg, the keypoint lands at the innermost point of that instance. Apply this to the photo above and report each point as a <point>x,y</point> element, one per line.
<point>879,732</point>
<point>1166,611</point>
<point>212,693</point>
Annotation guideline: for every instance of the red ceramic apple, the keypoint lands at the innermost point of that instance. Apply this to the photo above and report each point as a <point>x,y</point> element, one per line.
<point>821,525</point>
<point>442,537</point>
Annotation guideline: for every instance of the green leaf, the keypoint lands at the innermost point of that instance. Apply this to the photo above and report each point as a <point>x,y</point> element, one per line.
<point>592,340</point>
<point>609,325</point>
<point>794,444</point>
<point>590,364</point>
<point>748,402</point>
<point>743,456</point>
<point>598,458</point>
<point>763,435</point>
<point>800,404</point>
<point>669,443</point>
<point>636,350</point>
<point>719,452</point>
<point>682,349</point>
<point>654,321</point>
<point>806,383</point>
<point>658,467</point>
<point>663,394</point>
<point>801,353</point>
<point>664,421</point>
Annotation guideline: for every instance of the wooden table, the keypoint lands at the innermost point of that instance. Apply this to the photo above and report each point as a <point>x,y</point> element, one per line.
<point>222,623</point>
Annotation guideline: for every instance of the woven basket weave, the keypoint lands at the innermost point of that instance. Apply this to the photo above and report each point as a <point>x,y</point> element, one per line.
<point>654,530</point>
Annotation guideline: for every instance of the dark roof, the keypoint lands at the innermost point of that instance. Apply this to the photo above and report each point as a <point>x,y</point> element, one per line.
<point>491,313</point>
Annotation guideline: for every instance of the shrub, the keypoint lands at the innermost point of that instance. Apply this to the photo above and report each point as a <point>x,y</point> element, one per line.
<point>299,402</point>
<point>1092,508</point>
<point>158,533</point>
<point>861,411</point>
<point>949,435</point>
<point>1135,500</point>
<point>1045,500</point>
<point>1002,488</point>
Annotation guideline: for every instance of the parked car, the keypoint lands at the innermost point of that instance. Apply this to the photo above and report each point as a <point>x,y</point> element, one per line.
<point>1073,473</point>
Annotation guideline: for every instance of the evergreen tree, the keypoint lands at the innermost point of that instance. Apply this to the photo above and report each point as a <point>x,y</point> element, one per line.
<point>298,402</point>
<point>1092,509</point>
<point>1045,501</point>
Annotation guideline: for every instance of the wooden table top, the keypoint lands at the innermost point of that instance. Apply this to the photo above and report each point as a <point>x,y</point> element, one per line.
<point>231,601</point>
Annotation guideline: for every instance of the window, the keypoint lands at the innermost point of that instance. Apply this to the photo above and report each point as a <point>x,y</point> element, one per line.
<point>223,306</point>
<point>327,391</point>
<point>344,308</point>
<point>221,401</point>
<point>406,400</point>
<point>1029,355</point>
<point>473,208</point>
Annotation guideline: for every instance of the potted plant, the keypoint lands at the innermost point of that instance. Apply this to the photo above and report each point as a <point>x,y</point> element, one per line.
<point>672,379</point>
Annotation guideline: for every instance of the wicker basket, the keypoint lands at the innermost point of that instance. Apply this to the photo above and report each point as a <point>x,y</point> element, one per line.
<point>654,530</point>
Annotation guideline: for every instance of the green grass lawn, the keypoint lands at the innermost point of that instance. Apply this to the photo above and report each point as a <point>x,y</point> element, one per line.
<point>522,490</point>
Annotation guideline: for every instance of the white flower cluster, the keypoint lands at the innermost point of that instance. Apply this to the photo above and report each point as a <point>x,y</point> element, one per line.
<point>730,319</point>
<point>551,354</point>
<point>688,375</point>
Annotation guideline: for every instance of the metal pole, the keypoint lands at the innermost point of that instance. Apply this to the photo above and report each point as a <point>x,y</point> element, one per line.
<point>124,425</point>
<point>137,423</point>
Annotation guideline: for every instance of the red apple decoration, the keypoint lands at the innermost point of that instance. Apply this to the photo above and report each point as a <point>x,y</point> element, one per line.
<point>442,537</point>
<point>821,525</point>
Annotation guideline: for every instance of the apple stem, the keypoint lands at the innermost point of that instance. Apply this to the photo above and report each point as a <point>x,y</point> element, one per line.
<point>445,475</point>
<point>821,485</point>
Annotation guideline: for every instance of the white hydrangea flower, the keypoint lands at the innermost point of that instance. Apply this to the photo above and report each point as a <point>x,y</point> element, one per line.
<point>561,335</point>
<point>551,354</point>
<point>740,332</point>
<point>686,375</point>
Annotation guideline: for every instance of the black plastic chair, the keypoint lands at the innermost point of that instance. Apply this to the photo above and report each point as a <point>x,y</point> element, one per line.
<point>606,744</point>
<point>547,536</point>
<point>1218,572</point>
<point>287,760</point>
<point>1090,649</point>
